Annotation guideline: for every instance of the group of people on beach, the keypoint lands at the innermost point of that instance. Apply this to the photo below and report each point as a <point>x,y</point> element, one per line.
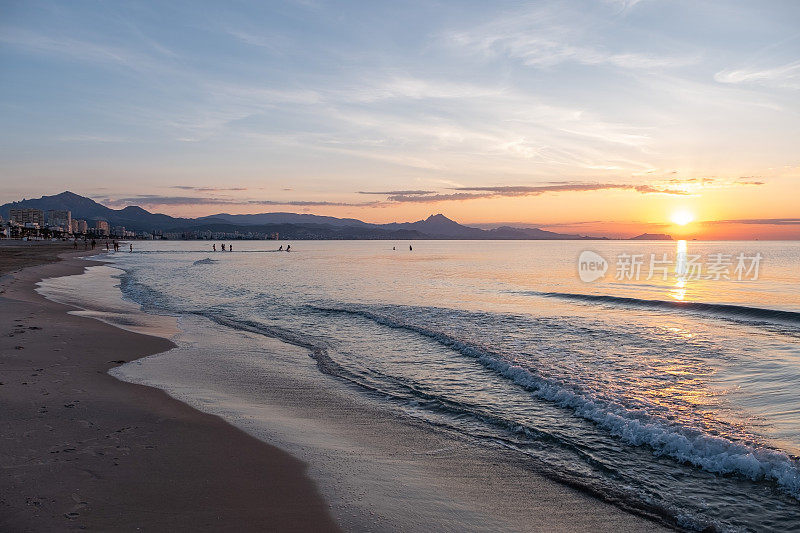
<point>230,247</point>
<point>93,244</point>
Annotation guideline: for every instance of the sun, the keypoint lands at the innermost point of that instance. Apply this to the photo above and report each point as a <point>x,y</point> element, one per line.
<point>681,218</point>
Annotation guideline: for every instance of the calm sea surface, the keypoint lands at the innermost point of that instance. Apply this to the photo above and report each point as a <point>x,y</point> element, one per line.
<point>676,392</point>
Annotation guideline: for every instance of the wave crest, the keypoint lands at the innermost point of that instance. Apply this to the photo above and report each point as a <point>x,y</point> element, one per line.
<point>709,452</point>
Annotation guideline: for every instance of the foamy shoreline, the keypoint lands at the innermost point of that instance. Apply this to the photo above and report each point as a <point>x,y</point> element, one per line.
<point>376,470</point>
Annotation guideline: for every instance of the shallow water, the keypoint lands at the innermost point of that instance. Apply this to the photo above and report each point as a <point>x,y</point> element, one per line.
<point>677,395</point>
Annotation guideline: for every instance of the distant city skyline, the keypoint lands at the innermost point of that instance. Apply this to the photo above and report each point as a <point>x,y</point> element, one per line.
<point>592,117</point>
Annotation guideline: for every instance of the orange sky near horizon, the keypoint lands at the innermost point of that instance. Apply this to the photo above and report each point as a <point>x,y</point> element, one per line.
<point>719,210</point>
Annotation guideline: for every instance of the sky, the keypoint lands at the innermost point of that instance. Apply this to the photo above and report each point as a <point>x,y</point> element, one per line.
<point>600,117</point>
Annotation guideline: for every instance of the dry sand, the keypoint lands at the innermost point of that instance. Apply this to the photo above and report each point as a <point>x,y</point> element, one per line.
<point>80,449</point>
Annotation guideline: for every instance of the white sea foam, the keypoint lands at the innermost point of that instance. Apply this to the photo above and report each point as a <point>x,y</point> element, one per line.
<point>711,453</point>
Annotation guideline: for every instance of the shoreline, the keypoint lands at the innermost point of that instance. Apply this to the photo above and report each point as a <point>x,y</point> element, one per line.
<point>439,479</point>
<point>470,491</point>
<point>82,449</point>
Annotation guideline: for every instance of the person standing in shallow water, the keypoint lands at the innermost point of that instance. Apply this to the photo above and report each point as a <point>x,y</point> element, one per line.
<point>223,246</point>
<point>410,248</point>
<point>214,247</point>
<point>230,247</point>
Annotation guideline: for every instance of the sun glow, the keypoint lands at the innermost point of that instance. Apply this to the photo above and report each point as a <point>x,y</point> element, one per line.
<point>681,218</point>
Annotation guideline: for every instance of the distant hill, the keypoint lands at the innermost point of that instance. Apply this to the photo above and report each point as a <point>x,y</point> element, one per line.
<point>440,226</point>
<point>283,218</point>
<point>309,231</point>
<point>132,217</point>
<point>652,237</point>
<point>288,225</point>
<point>508,232</point>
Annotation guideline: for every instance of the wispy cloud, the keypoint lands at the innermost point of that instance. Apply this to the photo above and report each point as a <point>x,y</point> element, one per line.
<point>158,200</point>
<point>568,187</point>
<point>476,193</point>
<point>759,221</point>
<point>77,49</point>
<point>207,189</point>
<point>398,196</point>
<point>272,41</point>
<point>81,138</point>
<point>389,193</point>
<point>749,181</point>
<point>551,35</point>
<point>416,88</point>
<point>622,5</point>
<point>783,76</point>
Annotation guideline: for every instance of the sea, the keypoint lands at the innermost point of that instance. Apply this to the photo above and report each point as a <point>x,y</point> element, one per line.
<point>668,386</point>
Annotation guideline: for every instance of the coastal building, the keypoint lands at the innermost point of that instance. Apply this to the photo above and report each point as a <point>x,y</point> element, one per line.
<point>26,216</point>
<point>121,233</point>
<point>101,227</point>
<point>79,227</point>
<point>59,220</point>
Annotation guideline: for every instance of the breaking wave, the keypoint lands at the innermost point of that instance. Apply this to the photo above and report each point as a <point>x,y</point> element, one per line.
<point>712,453</point>
<point>723,310</point>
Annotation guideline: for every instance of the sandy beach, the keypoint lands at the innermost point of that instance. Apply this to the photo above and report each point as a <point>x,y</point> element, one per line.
<point>82,450</point>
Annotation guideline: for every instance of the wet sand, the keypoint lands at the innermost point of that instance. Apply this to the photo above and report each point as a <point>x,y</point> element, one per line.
<point>81,449</point>
<point>16,255</point>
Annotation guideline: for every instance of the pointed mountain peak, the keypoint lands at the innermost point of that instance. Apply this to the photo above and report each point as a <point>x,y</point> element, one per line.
<point>438,218</point>
<point>134,209</point>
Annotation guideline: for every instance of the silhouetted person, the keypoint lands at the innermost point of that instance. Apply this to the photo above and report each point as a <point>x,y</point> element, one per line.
<point>93,244</point>
<point>107,246</point>
<point>214,247</point>
<point>288,247</point>
<point>230,247</point>
<point>280,248</point>
<point>393,248</point>
<point>223,246</point>
<point>409,248</point>
<point>131,245</point>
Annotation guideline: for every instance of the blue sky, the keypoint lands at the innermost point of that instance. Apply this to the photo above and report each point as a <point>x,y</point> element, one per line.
<point>197,107</point>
